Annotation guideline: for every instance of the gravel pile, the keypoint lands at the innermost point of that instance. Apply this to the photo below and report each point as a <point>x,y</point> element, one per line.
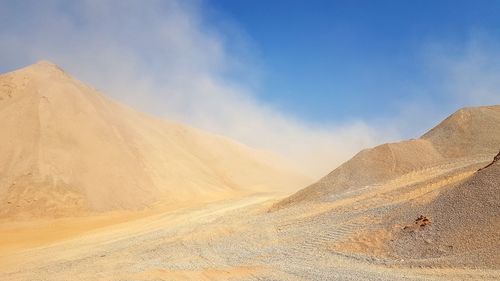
<point>465,227</point>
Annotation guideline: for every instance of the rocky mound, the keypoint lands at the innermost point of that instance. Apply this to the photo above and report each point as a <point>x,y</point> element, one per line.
<point>468,133</point>
<point>66,149</point>
<point>465,228</point>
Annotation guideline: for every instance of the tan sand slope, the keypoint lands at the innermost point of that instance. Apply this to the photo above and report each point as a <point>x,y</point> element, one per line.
<point>417,203</point>
<point>65,149</point>
<point>464,224</point>
<point>466,134</point>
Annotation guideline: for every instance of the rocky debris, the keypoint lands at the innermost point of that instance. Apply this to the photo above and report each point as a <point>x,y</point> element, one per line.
<point>420,222</point>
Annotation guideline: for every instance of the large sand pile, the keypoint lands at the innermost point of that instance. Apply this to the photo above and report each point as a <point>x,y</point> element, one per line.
<point>417,202</point>
<point>66,149</point>
<point>468,133</point>
<point>464,224</point>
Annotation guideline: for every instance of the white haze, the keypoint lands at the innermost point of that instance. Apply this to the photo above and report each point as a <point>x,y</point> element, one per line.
<point>470,72</point>
<point>164,58</point>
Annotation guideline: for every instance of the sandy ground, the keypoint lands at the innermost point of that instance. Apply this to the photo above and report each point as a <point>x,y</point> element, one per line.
<point>239,239</point>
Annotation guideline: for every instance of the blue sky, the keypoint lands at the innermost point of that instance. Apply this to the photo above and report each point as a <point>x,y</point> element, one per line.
<point>314,81</point>
<point>329,60</point>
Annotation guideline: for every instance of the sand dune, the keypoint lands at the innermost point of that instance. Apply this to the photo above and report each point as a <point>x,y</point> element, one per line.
<point>468,133</point>
<point>415,203</point>
<point>66,149</point>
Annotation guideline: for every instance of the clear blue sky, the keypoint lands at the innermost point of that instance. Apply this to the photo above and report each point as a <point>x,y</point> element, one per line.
<point>327,60</point>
